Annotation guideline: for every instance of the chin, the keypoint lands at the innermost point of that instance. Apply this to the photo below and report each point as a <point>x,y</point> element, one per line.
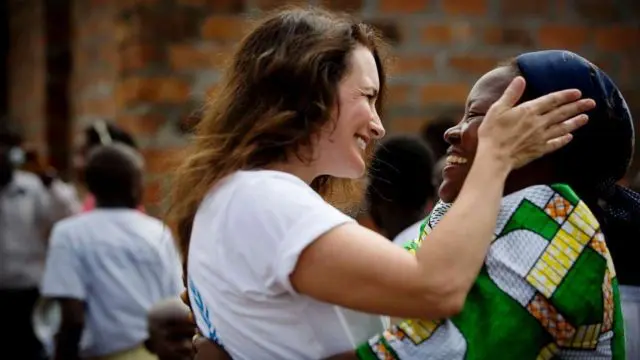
<point>448,192</point>
<point>357,169</point>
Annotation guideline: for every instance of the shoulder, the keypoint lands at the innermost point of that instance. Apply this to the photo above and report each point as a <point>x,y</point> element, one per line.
<point>79,224</point>
<point>63,230</point>
<point>127,223</point>
<point>261,193</point>
<point>148,221</point>
<point>544,197</point>
<point>156,230</point>
<point>542,194</point>
<point>28,182</point>
<point>538,194</point>
<point>545,207</point>
<point>71,223</point>
<point>271,185</point>
<point>273,206</point>
<point>27,179</point>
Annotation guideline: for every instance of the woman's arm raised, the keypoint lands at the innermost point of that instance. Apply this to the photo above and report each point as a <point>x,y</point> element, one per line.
<point>356,268</point>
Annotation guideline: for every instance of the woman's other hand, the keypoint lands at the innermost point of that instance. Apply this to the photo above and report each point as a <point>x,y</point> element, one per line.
<point>171,330</point>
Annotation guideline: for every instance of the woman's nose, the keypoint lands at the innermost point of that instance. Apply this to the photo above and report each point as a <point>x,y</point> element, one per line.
<point>377,130</point>
<point>452,135</point>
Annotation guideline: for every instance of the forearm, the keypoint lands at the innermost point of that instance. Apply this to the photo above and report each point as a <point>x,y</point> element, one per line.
<point>68,343</point>
<point>454,251</point>
<point>370,274</point>
<point>68,337</point>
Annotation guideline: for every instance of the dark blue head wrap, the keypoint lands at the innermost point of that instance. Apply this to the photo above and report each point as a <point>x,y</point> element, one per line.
<point>601,151</point>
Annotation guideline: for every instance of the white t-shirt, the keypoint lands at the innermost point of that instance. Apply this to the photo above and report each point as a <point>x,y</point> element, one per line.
<point>120,262</point>
<point>27,211</point>
<point>246,240</point>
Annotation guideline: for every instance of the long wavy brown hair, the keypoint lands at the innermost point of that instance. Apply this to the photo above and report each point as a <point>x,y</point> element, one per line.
<point>280,88</point>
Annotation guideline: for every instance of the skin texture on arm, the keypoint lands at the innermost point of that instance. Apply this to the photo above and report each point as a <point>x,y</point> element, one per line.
<point>353,267</point>
<point>70,333</point>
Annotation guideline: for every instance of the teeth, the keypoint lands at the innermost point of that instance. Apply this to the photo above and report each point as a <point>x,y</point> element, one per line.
<point>453,159</point>
<point>361,143</point>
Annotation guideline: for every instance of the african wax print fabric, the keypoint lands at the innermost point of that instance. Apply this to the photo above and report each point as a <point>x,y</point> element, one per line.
<point>548,289</point>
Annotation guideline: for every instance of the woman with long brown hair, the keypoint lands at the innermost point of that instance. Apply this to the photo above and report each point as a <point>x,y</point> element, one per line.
<point>272,266</point>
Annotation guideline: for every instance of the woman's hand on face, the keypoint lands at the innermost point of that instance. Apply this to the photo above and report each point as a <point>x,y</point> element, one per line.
<point>520,134</point>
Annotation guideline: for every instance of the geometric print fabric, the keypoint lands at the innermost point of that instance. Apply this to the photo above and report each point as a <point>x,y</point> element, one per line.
<point>548,282</point>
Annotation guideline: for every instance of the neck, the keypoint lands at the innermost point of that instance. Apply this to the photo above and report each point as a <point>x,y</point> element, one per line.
<point>116,204</point>
<point>397,221</point>
<point>306,172</point>
<point>536,173</point>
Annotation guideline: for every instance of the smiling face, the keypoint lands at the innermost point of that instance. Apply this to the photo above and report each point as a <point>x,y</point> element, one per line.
<point>463,137</point>
<point>343,144</point>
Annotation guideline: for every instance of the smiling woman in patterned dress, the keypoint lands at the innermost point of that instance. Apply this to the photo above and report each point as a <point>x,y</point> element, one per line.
<point>548,288</point>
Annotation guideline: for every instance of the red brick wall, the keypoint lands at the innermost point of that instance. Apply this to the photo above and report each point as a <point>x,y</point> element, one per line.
<point>26,73</point>
<point>95,61</point>
<point>148,64</point>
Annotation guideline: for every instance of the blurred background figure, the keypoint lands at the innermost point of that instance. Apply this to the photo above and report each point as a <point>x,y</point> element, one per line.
<point>400,192</point>
<point>107,267</point>
<point>97,134</point>
<point>29,206</point>
<point>35,163</point>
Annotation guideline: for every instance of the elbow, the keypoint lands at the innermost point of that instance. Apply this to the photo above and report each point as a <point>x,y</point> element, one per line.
<point>447,299</point>
<point>452,305</point>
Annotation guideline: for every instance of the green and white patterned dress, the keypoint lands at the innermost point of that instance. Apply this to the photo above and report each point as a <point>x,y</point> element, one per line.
<point>547,290</point>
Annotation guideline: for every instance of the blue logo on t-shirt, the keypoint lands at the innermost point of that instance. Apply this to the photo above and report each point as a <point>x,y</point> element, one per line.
<point>211,332</point>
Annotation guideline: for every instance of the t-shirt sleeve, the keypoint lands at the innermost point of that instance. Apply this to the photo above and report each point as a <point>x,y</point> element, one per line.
<point>282,217</point>
<point>63,275</point>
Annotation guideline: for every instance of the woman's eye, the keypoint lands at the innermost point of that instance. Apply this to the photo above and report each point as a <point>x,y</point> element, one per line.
<point>472,116</point>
